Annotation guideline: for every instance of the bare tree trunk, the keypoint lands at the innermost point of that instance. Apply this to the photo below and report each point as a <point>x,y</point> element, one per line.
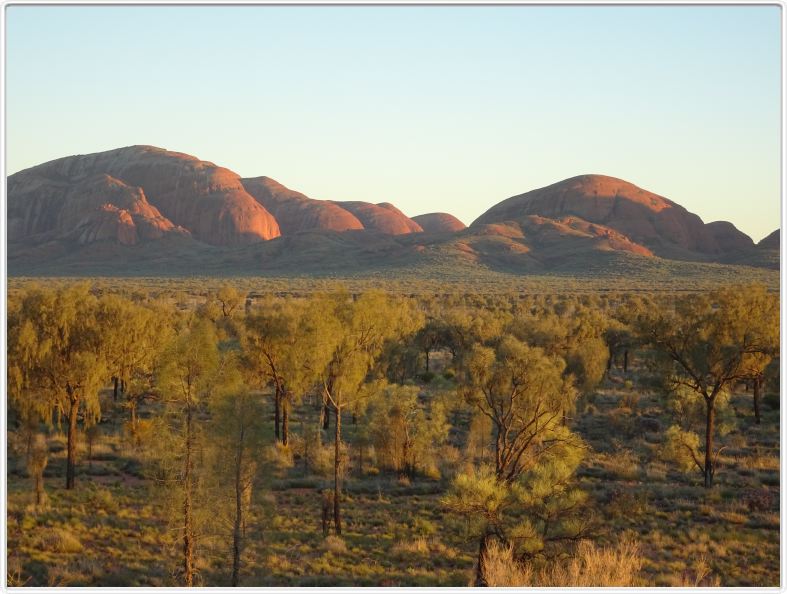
<point>236,533</point>
<point>188,528</point>
<point>427,360</point>
<point>277,414</point>
<point>337,517</point>
<point>305,447</point>
<point>757,389</point>
<point>71,460</point>
<point>39,487</point>
<point>326,416</point>
<point>626,361</point>
<point>115,388</point>
<point>285,421</point>
<point>709,470</point>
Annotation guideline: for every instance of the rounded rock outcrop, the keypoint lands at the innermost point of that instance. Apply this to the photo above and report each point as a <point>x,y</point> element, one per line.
<point>439,222</point>
<point>207,200</point>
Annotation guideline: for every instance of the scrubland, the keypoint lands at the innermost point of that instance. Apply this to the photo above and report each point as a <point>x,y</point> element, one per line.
<point>512,438</point>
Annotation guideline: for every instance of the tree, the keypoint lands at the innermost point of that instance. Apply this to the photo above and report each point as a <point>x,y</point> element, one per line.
<point>135,336</point>
<point>237,430</point>
<point>288,345</point>
<point>523,392</point>
<point>406,433</point>
<point>56,359</point>
<point>229,300</point>
<point>576,335</point>
<point>360,328</point>
<point>706,343</point>
<point>187,374</point>
<point>433,335</point>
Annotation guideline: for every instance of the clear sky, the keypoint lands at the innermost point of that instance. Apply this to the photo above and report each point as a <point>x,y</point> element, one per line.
<point>431,108</point>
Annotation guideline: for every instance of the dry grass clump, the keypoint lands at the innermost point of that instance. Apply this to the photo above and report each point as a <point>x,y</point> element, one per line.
<point>418,546</point>
<point>699,575</point>
<point>61,541</point>
<point>592,566</point>
<point>334,544</point>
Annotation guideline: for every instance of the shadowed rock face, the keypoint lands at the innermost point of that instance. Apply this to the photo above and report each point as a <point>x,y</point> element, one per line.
<point>296,212</point>
<point>645,218</point>
<point>771,242</point>
<point>208,201</point>
<point>728,237</point>
<point>383,217</point>
<point>439,222</point>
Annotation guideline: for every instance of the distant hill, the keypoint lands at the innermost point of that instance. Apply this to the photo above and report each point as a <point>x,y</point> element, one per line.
<point>439,222</point>
<point>142,209</point>
<point>772,241</point>
<point>651,221</point>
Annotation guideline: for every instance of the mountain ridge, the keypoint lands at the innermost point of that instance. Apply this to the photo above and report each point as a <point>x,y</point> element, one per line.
<point>73,209</point>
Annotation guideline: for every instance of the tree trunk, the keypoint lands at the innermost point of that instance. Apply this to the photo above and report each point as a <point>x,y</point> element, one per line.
<point>285,421</point>
<point>709,414</point>
<point>480,578</point>
<point>188,528</point>
<point>71,460</point>
<point>39,487</point>
<point>326,416</point>
<point>277,414</point>
<point>236,533</point>
<point>427,360</point>
<point>122,386</point>
<point>626,361</point>
<point>757,389</point>
<point>305,446</point>
<point>115,388</point>
<point>337,517</point>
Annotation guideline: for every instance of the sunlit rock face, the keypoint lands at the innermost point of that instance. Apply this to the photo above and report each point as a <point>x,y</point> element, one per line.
<point>383,217</point>
<point>296,212</point>
<point>659,224</point>
<point>439,222</point>
<point>162,191</point>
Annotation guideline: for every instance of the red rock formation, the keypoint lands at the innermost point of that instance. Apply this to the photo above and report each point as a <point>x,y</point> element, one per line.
<point>728,237</point>
<point>383,217</point>
<point>98,207</point>
<point>542,231</point>
<point>439,222</point>
<point>207,200</point>
<point>296,212</point>
<point>643,217</point>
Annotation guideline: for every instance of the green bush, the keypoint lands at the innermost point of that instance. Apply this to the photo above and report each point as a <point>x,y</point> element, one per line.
<point>427,377</point>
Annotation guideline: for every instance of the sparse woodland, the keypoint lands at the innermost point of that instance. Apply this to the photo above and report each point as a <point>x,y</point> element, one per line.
<point>217,436</point>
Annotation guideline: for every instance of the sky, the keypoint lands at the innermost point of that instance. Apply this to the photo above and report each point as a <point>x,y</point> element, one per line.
<point>443,108</point>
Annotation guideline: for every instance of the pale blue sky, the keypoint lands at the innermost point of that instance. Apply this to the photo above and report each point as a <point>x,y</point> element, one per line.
<point>431,108</point>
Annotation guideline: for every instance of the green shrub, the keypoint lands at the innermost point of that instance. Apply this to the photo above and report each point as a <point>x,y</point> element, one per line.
<point>427,377</point>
